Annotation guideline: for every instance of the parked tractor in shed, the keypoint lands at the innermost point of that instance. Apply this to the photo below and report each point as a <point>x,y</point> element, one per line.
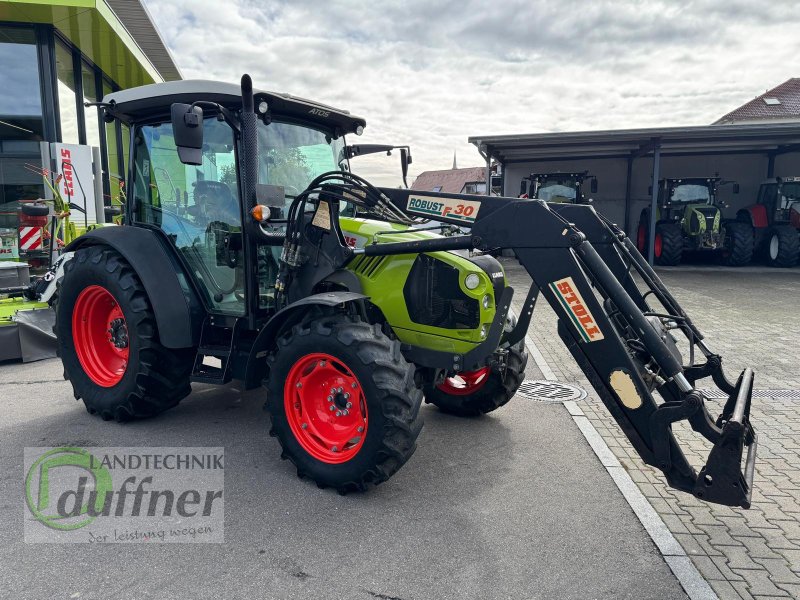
<point>558,187</point>
<point>689,219</point>
<point>235,262</point>
<point>775,221</point>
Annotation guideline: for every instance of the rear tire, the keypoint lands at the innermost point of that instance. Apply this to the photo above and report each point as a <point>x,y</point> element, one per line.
<point>125,373</point>
<point>783,246</point>
<point>470,397</point>
<point>738,244</point>
<point>345,356</point>
<point>669,244</point>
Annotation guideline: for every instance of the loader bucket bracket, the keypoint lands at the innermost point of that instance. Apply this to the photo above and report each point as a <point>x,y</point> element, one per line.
<point>722,480</point>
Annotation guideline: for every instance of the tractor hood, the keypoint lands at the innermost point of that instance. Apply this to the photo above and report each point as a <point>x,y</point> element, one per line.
<point>154,101</point>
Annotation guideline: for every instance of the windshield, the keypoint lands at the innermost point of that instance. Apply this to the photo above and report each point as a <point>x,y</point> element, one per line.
<point>291,156</point>
<point>556,190</point>
<point>790,193</point>
<point>690,193</point>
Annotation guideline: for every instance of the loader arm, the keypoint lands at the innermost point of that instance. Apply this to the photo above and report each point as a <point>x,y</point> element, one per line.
<point>584,267</point>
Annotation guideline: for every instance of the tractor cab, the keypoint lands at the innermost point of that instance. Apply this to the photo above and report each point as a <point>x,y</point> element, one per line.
<point>558,187</point>
<point>194,197</point>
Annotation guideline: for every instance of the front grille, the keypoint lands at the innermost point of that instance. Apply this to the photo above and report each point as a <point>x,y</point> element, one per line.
<point>433,296</point>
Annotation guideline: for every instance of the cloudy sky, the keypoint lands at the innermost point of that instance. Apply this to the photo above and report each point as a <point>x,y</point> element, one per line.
<point>430,73</point>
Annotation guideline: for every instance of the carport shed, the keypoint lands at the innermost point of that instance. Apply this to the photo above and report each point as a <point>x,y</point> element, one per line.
<point>626,161</point>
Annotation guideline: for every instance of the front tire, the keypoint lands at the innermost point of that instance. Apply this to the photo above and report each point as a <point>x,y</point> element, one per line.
<point>343,402</point>
<point>668,244</point>
<point>783,246</point>
<point>108,340</point>
<point>738,244</point>
<point>482,391</point>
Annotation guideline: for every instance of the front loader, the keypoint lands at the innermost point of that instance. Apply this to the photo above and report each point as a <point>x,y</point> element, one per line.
<point>240,265</point>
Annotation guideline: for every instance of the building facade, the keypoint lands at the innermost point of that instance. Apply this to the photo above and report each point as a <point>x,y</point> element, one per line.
<point>55,56</point>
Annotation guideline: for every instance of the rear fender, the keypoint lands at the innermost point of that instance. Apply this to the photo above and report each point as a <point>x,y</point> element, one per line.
<point>176,309</point>
<point>255,371</point>
<point>756,215</point>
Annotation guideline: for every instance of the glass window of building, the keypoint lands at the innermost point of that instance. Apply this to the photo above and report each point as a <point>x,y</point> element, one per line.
<point>91,116</point>
<point>67,101</point>
<point>20,96</point>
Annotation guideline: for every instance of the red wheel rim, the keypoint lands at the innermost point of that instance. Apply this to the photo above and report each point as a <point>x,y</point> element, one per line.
<point>465,383</point>
<point>641,238</point>
<point>100,336</point>
<point>316,396</point>
<point>658,246</point>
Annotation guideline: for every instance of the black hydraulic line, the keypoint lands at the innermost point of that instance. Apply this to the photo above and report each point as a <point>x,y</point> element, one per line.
<point>605,278</point>
<point>461,242</point>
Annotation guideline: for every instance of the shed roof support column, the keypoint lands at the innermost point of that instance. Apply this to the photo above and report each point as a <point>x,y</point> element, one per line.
<point>488,173</point>
<point>770,165</point>
<point>654,202</point>
<point>628,195</point>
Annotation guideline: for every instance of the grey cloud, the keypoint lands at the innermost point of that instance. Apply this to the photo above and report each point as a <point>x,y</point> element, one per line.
<point>433,73</point>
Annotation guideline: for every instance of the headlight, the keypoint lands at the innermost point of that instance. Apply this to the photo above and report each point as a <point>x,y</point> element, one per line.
<point>487,301</point>
<point>472,281</point>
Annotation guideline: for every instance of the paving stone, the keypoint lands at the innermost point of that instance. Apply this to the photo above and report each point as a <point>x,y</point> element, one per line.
<point>721,562</point>
<point>719,535</point>
<point>738,558</point>
<point>757,548</point>
<point>779,571</point>
<point>777,539</point>
<point>691,543</point>
<point>759,583</point>
<point>724,590</point>
<point>742,589</point>
<point>738,526</point>
<point>792,590</point>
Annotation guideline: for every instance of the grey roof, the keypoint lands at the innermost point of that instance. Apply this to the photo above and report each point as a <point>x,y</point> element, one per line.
<point>137,20</point>
<point>155,99</point>
<point>781,102</point>
<point>621,143</point>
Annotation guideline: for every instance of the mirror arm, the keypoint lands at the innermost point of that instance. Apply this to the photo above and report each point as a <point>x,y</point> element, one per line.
<point>227,115</point>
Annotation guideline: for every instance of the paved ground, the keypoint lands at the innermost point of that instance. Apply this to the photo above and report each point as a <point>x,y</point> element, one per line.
<point>514,505</point>
<point>748,316</point>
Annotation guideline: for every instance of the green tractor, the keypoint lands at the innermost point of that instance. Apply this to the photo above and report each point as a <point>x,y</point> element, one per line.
<point>689,219</point>
<point>558,187</point>
<point>235,261</point>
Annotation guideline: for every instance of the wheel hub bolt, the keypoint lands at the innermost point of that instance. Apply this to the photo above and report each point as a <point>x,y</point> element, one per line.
<point>348,405</point>
<point>346,396</point>
<point>299,385</point>
<point>345,412</point>
<point>335,449</point>
<point>331,407</point>
<point>330,398</point>
<point>338,413</point>
<point>360,430</point>
<point>353,385</point>
<point>304,425</point>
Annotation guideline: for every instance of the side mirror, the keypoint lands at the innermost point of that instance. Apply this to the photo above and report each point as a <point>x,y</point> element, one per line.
<point>405,160</point>
<point>735,188</point>
<point>593,185</point>
<point>187,129</point>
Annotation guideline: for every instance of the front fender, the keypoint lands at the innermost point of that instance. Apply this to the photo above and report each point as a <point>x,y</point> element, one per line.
<point>178,326</point>
<point>282,320</point>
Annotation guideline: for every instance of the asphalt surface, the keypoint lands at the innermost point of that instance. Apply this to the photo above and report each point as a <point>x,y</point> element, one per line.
<point>513,505</point>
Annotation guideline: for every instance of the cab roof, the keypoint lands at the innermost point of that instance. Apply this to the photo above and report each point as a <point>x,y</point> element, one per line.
<point>154,101</point>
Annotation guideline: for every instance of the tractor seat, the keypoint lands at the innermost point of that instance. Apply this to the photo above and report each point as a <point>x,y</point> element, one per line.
<point>217,199</point>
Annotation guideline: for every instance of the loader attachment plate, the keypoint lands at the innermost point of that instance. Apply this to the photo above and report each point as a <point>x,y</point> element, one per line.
<point>721,480</point>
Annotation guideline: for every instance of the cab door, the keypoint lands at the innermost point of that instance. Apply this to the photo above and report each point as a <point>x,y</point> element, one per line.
<point>197,208</point>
